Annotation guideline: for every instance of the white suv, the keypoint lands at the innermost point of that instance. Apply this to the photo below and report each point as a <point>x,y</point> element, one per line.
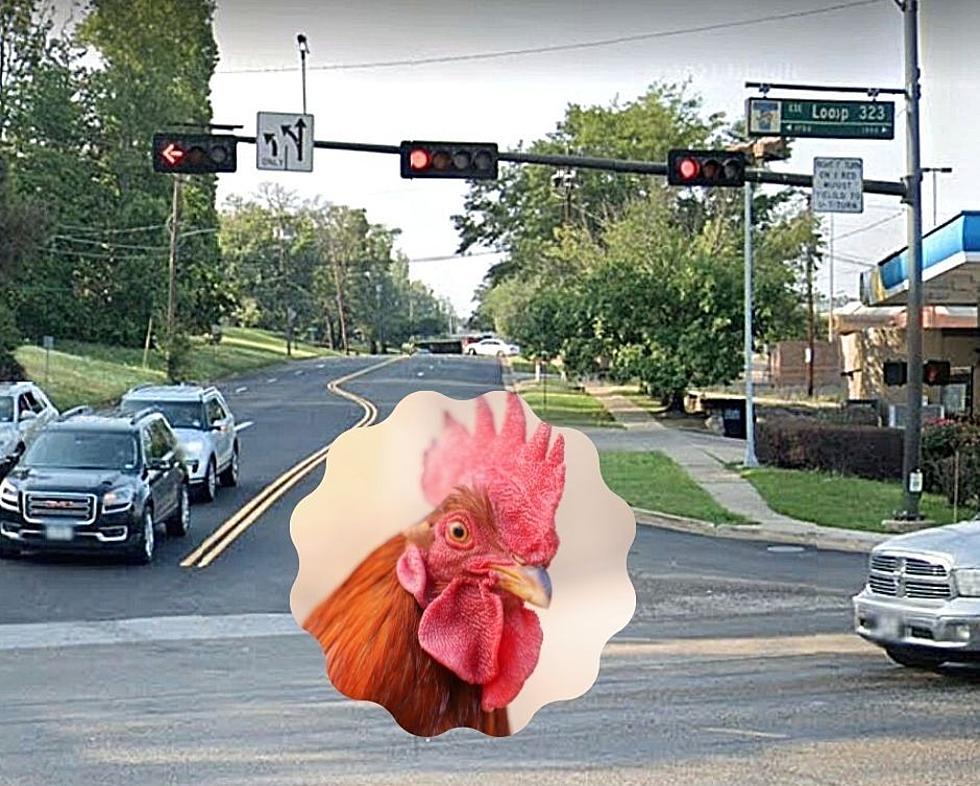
<point>24,412</point>
<point>205,428</point>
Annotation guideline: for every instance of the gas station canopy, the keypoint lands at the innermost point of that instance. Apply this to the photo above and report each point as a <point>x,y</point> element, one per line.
<point>950,267</point>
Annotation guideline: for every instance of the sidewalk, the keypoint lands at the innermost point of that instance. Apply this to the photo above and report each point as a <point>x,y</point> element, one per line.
<point>703,457</point>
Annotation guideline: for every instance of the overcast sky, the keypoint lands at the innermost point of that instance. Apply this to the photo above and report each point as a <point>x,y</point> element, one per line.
<point>513,98</point>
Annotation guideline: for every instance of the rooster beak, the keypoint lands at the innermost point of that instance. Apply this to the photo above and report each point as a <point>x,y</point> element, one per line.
<point>527,582</point>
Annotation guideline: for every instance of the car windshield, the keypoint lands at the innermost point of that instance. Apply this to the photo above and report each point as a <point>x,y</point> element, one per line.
<point>180,414</point>
<point>6,409</point>
<point>82,450</point>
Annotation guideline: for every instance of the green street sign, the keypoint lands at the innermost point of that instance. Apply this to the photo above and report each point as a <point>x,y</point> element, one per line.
<point>825,119</point>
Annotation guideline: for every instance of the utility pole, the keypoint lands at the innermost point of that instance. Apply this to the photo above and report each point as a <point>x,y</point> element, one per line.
<point>750,457</point>
<point>381,347</point>
<point>304,50</point>
<point>810,326</point>
<point>172,278</point>
<point>912,453</point>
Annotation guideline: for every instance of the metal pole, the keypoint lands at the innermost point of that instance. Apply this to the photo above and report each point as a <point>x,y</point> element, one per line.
<point>303,51</point>
<point>935,208</point>
<point>172,275</point>
<point>750,459</point>
<point>830,323</point>
<point>912,454</point>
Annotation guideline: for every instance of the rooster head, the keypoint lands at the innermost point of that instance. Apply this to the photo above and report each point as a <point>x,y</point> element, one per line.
<point>485,548</point>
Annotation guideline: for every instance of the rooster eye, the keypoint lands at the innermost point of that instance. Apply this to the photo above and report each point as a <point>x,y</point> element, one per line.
<point>457,532</point>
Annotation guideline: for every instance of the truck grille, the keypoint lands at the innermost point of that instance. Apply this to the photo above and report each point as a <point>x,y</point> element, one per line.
<point>61,507</point>
<point>898,576</point>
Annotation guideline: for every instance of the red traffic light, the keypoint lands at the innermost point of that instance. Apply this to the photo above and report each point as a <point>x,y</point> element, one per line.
<point>688,168</point>
<point>194,154</point>
<point>936,372</point>
<point>452,160</point>
<point>419,159</point>
<point>705,168</point>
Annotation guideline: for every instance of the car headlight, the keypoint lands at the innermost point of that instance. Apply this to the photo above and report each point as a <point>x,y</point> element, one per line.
<point>8,495</point>
<point>118,498</point>
<point>968,582</point>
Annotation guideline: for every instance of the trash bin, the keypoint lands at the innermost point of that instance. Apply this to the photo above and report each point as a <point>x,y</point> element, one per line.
<point>733,418</point>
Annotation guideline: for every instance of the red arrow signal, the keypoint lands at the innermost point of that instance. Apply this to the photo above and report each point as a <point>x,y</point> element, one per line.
<point>172,154</point>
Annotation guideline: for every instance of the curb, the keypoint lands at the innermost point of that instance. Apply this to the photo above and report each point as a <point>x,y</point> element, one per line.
<point>813,535</point>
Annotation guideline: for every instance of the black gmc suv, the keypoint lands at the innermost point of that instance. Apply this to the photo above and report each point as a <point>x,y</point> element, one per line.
<point>96,482</point>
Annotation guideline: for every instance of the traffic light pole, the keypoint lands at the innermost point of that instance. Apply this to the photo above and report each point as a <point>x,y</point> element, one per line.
<point>750,459</point>
<point>172,276</point>
<point>912,454</point>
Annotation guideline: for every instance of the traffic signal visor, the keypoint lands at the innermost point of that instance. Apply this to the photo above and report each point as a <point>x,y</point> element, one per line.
<point>452,160</point>
<point>705,168</point>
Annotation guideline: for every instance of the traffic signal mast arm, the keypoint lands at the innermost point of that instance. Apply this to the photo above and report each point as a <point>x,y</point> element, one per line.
<point>885,187</point>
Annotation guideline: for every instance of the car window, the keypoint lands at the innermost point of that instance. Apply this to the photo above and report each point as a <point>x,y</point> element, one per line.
<point>216,412</point>
<point>82,450</point>
<point>25,403</point>
<point>159,445</point>
<point>37,403</point>
<point>179,414</point>
<point>6,409</point>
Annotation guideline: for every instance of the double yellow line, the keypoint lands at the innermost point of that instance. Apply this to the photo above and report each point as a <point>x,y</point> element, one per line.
<point>214,544</point>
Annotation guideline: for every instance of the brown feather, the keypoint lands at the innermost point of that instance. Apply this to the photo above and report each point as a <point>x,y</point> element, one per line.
<point>368,629</point>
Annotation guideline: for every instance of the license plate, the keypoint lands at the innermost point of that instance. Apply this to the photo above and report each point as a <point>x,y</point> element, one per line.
<point>890,626</point>
<point>59,532</point>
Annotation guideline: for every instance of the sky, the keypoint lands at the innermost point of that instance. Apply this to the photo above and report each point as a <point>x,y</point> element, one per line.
<point>521,97</point>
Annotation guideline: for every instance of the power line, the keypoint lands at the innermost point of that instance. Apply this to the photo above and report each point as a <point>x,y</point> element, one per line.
<point>559,47</point>
<point>454,256</point>
<point>869,226</point>
<point>106,231</point>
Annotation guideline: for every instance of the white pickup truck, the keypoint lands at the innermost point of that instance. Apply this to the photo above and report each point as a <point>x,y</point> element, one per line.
<point>921,602</point>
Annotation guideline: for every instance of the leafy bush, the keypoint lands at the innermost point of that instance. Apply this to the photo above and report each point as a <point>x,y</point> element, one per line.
<point>808,443</point>
<point>9,339</point>
<point>951,459</point>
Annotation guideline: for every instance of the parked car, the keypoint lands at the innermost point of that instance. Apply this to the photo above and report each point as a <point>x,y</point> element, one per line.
<point>24,411</point>
<point>492,347</point>
<point>921,602</point>
<point>205,426</point>
<point>96,483</point>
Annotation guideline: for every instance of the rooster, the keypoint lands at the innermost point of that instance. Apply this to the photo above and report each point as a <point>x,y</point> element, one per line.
<point>433,625</point>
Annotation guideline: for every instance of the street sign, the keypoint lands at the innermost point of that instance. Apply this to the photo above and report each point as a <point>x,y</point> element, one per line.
<point>825,119</point>
<point>284,142</point>
<point>838,185</point>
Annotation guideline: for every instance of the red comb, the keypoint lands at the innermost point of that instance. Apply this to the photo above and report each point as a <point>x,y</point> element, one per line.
<point>523,479</point>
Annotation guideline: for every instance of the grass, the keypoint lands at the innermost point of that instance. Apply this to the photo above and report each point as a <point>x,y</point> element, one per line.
<point>523,365</point>
<point>839,501</point>
<point>83,373</point>
<point>565,406</point>
<point>653,481</point>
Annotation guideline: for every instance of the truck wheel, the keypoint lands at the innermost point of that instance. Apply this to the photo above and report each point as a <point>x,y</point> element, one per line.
<point>914,660</point>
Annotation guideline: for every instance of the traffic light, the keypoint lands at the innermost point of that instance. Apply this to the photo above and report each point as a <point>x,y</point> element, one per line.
<point>896,372</point>
<point>454,160</point>
<point>194,154</point>
<point>705,168</point>
<point>935,372</point>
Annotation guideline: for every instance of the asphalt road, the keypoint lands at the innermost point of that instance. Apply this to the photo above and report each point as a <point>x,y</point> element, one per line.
<point>738,668</point>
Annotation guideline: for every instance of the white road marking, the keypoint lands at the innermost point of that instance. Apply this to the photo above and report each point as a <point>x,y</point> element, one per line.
<point>299,373</point>
<point>245,425</point>
<point>242,389</point>
<point>272,379</point>
<point>766,735</point>
<point>321,365</point>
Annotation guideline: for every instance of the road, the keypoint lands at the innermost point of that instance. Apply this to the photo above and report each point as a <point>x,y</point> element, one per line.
<point>738,667</point>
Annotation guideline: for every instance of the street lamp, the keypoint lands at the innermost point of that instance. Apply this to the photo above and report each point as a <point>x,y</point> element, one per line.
<point>936,170</point>
<point>304,50</point>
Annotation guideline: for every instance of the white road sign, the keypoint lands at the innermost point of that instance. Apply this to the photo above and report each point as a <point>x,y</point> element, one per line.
<point>284,142</point>
<point>838,185</point>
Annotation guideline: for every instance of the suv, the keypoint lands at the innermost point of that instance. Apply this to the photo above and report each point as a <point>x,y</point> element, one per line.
<point>205,427</point>
<point>24,411</point>
<point>96,482</point>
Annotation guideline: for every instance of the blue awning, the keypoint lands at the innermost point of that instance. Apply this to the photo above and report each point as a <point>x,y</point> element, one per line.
<point>950,269</point>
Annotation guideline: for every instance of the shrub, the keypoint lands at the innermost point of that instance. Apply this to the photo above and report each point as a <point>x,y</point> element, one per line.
<point>808,443</point>
<point>946,445</point>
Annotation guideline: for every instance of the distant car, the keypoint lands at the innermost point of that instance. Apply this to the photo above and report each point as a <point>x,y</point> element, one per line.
<point>205,426</point>
<point>492,347</point>
<point>921,601</point>
<point>24,412</point>
<point>96,483</point>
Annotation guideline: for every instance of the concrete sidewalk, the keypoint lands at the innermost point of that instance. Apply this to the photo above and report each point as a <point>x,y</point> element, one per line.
<point>696,456</point>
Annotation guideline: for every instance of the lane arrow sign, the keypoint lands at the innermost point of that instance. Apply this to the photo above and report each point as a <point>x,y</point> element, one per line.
<point>296,137</point>
<point>271,141</point>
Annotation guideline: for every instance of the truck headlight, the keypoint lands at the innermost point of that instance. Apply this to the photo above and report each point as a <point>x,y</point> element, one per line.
<point>968,582</point>
<point>118,499</point>
<point>8,495</point>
